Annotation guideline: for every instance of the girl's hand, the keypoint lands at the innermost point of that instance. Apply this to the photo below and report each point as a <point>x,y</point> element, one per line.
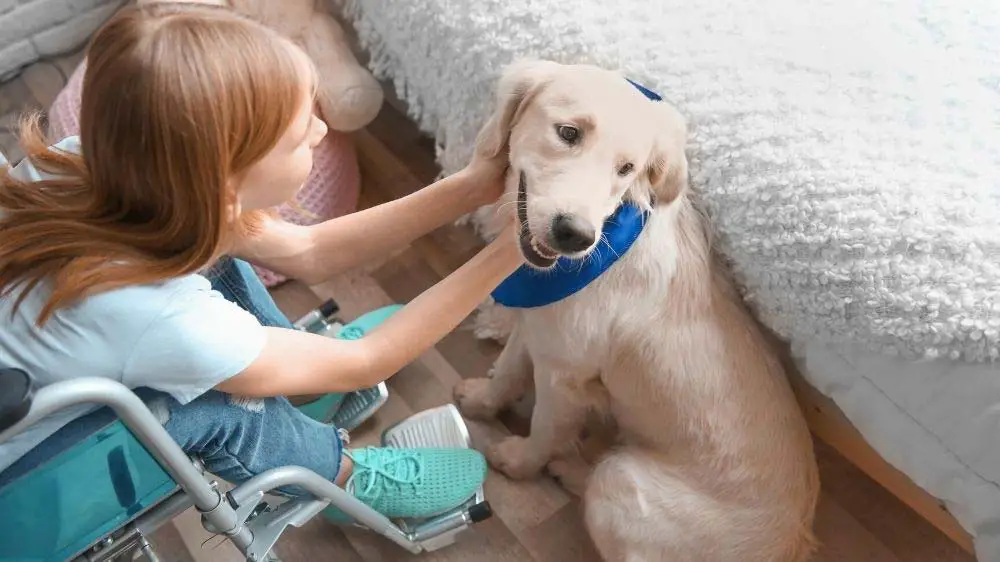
<point>484,176</point>
<point>507,242</point>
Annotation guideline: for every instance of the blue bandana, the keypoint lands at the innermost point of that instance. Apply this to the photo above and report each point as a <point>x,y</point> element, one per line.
<point>530,288</point>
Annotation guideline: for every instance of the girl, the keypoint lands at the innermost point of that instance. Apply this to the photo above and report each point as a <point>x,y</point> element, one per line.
<point>193,121</point>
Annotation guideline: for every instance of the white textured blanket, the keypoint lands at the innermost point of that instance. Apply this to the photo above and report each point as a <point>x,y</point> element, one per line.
<point>847,150</point>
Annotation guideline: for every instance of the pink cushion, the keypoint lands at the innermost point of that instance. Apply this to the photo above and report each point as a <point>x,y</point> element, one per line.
<point>331,190</point>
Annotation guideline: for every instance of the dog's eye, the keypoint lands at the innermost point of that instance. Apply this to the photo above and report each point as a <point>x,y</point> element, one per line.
<point>625,169</point>
<point>570,135</point>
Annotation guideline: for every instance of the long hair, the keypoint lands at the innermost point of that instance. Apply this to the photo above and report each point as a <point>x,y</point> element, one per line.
<point>178,100</point>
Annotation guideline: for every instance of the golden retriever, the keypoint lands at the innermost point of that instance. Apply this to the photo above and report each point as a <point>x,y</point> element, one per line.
<point>713,460</point>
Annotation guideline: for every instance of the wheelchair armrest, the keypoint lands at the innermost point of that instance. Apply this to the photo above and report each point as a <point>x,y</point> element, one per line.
<point>17,391</point>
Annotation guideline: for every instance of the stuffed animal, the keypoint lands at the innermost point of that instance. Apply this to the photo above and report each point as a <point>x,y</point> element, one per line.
<point>349,97</point>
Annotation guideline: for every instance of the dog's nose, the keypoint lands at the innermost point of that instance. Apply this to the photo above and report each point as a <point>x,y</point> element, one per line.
<point>571,234</point>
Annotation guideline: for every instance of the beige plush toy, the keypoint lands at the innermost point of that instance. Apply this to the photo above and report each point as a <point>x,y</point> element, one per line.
<point>349,97</point>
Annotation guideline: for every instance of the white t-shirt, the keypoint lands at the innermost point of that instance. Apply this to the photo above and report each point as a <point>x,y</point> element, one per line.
<point>178,336</point>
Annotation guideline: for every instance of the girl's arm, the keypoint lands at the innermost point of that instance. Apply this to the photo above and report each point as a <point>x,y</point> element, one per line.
<point>316,253</point>
<point>294,363</point>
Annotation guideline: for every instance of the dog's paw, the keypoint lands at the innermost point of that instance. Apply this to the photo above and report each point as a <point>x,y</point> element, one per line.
<point>474,399</point>
<point>570,473</point>
<point>493,322</point>
<point>513,457</point>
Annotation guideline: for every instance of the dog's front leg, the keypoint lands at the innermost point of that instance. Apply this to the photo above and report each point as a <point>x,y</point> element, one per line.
<point>482,398</point>
<point>556,421</point>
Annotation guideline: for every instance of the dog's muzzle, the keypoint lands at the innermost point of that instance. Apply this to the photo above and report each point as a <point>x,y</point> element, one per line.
<point>535,251</point>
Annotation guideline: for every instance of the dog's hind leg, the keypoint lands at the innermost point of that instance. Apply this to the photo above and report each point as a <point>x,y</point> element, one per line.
<point>635,510</point>
<point>509,380</point>
<point>573,468</point>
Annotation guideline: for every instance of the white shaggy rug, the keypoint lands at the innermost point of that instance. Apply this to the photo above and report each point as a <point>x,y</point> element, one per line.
<point>848,150</point>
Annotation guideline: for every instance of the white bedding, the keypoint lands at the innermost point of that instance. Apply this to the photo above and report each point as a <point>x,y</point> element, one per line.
<point>937,421</point>
<point>847,149</point>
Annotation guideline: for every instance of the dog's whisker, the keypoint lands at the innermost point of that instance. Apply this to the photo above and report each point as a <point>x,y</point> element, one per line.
<point>604,238</point>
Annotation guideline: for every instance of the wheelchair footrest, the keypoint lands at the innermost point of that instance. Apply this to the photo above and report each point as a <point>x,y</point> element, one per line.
<point>359,406</point>
<point>347,411</point>
<point>438,427</point>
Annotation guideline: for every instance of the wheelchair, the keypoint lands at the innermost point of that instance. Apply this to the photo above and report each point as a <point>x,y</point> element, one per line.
<point>100,494</point>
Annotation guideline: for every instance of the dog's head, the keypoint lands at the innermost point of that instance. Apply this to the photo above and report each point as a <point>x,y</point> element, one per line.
<point>580,140</point>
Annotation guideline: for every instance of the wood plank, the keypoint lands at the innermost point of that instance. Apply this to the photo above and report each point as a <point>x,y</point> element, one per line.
<point>356,293</point>
<point>899,528</point>
<point>829,424</point>
<point>168,544</point>
<point>407,144</point>
<point>316,540</point>
<point>295,299</point>
<point>843,539</point>
<point>562,536</point>
<point>387,178</point>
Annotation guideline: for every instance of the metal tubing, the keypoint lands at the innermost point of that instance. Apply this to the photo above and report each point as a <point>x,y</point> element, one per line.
<point>323,488</point>
<point>441,525</point>
<point>136,416</point>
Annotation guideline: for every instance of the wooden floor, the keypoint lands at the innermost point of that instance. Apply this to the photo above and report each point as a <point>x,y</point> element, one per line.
<point>857,521</point>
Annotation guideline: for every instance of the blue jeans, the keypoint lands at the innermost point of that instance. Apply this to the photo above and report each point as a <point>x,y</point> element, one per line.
<point>238,282</point>
<point>235,438</point>
<point>239,438</point>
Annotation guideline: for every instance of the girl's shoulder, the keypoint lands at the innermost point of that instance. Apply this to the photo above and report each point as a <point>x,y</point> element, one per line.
<point>127,309</point>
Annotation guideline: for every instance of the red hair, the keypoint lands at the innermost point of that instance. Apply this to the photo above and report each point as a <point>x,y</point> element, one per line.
<point>177,101</point>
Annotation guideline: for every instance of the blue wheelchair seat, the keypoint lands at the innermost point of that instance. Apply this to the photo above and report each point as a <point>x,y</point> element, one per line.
<point>88,479</point>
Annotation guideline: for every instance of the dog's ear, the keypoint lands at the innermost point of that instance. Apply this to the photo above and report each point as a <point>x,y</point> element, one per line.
<point>520,82</point>
<point>666,174</point>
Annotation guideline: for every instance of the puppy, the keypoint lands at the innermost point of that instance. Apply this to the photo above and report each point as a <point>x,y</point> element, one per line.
<point>713,460</point>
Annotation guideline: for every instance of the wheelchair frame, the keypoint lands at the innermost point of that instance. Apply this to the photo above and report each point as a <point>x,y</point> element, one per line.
<point>241,514</point>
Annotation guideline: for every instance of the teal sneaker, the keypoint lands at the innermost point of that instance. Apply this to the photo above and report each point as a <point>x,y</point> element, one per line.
<point>412,483</point>
<point>351,409</point>
<point>359,406</point>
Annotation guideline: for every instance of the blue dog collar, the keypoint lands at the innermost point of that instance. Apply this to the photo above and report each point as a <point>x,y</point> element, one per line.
<point>645,91</point>
<point>529,287</point>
